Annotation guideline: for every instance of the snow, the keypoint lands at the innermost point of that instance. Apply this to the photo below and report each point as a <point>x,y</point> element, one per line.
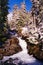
<point>9,16</point>
<point>23,54</point>
<point>32,40</point>
<point>25,31</point>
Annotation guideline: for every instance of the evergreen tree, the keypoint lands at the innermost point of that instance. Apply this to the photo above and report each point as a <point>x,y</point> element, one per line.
<point>3,17</point>
<point>37,10</point>
<point>20,17</point>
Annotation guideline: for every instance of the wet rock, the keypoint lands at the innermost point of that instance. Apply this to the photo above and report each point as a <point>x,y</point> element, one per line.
<point>35,49</point>
<point>11,47</point>
<point>16,61</point>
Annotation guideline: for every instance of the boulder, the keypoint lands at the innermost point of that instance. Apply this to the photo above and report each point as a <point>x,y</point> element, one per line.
<point>11,47</point>
<point>34,49</point>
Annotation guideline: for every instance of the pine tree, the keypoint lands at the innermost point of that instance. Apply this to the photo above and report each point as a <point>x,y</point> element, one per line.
<point>37,12</point>
<point>3,16</point>
<point>20,17</point>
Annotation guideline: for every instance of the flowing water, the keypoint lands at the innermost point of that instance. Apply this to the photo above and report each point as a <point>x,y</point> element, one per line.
<point>23,55</point>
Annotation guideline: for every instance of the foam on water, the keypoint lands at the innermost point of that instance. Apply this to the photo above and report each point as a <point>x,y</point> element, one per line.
<point>23,54</point>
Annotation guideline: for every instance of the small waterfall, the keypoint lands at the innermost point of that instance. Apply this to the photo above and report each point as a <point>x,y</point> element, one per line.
<point>23,45</point>
<point>23,54</point>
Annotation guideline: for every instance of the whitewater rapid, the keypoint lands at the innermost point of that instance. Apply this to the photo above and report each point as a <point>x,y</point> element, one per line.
<point>23,55</point>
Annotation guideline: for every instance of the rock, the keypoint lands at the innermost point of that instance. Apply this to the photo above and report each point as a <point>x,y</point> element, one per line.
<point>16,61</point>
<point>1,56</point>
<point>34,49</point>
<point>10,47</point>
<point>32,40</point>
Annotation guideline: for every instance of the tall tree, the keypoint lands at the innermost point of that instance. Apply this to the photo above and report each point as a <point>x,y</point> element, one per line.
<point>3,16</point>
<point>37,12</point>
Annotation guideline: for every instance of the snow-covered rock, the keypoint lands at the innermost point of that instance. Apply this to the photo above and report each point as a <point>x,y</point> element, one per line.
<point>25,31</point>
